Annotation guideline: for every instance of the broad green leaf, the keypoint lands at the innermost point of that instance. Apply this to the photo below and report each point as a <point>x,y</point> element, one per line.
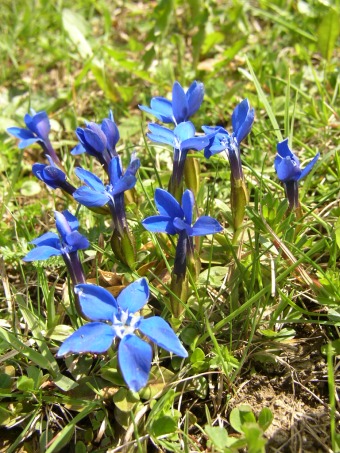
<point>265,418</point>
<point>25,384</point>
<point>218,436</point>
<point>163,425</point>
<point>241,415</point>
<point>255,441</point>
<point>328,33</point>
<point>125,400</point>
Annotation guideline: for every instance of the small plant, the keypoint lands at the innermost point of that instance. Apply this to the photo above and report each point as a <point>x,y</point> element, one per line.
<point>250,431</point>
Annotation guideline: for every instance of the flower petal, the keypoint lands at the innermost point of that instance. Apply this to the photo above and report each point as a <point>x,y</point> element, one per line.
<point>39,124</point>
<point>184,131</point>
<point>196,143</point>
<point>42,253</point>
<point>181,225</point>
<point>90,179</point>
<point>96,139</point>
<point>134,296</point>
<point>30,141</point>
<point>127,182</point>
<point>96,302</point>
<point>188,202</point>
<point>162,334</point>
<point>77,241</point>
<point>179,103</point>
<point>308,168</point>
<point>242,120</point>
<point>111,132</point>
<point>134,358</point>
<point>161,134</point>
<point>167,204</point>
<point>62,225</point>
<point>21,133</point>
<point>283,149</point>
<point>95,337</point>
<point>133,165</point>
<point>50,239</point>
<point>78,149</point>
<point>206,225</point>
<point>71,220</point>
<point>194,96</point>
<point>115,170</point>
<point>287,169</point>
<point>90,198</point>
<point>159,224</point>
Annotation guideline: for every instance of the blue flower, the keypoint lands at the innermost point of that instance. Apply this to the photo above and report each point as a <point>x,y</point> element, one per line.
<point>95,193</point>
<point>98,141</point>
<point>52,176</point>
<point>182,107</point>
<point>68,241</point>
<point>181,138</point>
<point>287,165</point>
<point>117,318</point>
<point>220,140</point>
<point>38,129</point>
<point>175,218</point>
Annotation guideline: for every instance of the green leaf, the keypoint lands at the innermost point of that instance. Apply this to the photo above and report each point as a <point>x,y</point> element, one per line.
<point>255,440</point>
<point>163,425</point>
<point>125,400</point>
<point>241,415</point>
<point>265,418</point>
<point>328,33</point>
<point>25,384</point>
<point>218,436</point>
<point>5,381</point>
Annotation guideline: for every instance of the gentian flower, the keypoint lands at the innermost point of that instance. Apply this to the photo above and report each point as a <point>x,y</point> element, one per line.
<point>52,176</point>
<point>98,141</point>
<point>177,219</point>
<point>288,170</point>
<point>220,140</point>
<point>96,194</point>
<point>183,105</point>
<point>182,139</point>
<point>37,131</point>
<point>118,319</point>
<point>66,244</point>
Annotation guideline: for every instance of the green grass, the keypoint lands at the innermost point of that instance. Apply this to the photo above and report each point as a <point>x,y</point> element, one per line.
<point>263,317</point>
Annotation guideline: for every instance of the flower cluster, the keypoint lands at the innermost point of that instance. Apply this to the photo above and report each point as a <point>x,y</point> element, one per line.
<point>117,321</point>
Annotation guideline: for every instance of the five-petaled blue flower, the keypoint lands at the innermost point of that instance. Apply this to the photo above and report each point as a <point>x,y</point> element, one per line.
<point>175,218</point>
<point>68,241</point>
<point>220,140</point>
<point>52,176</point>
<point>98,141</point>
<point>287,165</point>
<point>117,318</point>
<point>182,106</point>
<point>95,193</point>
